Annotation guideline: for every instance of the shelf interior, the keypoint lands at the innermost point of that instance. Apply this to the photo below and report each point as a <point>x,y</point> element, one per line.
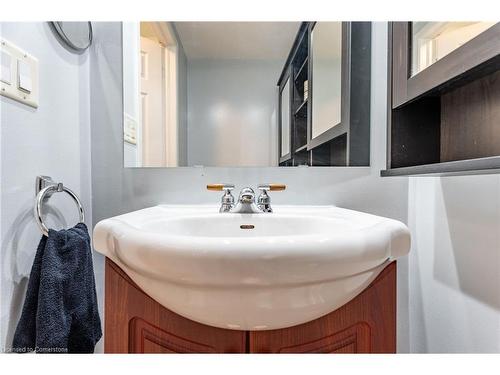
<point>301,74</point>
<point>332,153</point>
<point>301,111</point>
<point>453,125</point>
<point>302,157</point>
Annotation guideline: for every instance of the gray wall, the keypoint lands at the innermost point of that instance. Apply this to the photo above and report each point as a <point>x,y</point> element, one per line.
<point>232,112</point>
<point>53,140</point>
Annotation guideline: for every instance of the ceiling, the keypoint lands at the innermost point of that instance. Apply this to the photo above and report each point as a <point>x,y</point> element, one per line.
<point>237,40</point>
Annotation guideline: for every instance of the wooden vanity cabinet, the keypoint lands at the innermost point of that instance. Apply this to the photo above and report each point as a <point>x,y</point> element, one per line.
<point>366,324</point>
<point>135,323</point>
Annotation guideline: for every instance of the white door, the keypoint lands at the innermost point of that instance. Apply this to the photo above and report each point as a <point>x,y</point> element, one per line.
<point>152,104</point>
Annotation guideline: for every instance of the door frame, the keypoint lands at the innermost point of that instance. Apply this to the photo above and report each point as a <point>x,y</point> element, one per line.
<point>163,32</point>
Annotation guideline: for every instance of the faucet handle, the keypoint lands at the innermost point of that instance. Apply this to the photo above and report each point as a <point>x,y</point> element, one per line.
<point>220,187</point>
<point>227,200</point>
<point>264,200</point>
<point>271,187</point>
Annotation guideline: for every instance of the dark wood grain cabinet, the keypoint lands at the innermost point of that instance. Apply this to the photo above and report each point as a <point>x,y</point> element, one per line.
<point>444,98</point>
<point>336,64</point>
<point>135,323</point>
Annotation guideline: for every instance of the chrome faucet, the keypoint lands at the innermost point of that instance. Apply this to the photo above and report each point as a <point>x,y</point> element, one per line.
<point>246,203</point>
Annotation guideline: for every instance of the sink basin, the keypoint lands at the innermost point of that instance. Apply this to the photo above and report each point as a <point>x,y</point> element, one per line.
<point>251,271</point>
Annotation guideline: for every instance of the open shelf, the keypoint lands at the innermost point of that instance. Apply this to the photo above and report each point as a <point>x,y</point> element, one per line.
<point>451,131</point>
<point>301,157</point>
<point>444,120</point>
<point>301,74</point>
<point>301,148</point>
<point>302,110</point>
<point>332,153</point>
<point>286,163</point>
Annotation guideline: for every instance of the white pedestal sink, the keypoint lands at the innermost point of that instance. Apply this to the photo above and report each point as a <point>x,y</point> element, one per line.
<point>251,271</point>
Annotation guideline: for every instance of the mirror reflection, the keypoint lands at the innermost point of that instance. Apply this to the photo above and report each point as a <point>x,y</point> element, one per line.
<point>431,41</point>
<point>212,93</point>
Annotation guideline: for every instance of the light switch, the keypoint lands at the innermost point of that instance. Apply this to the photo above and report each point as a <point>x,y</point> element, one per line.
<point>24,76</point>
<point>5,68</point>
<point>19,74</point>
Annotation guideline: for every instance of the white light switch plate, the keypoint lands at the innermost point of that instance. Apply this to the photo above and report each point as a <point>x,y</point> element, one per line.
<point>5,67</point>
<point>24,76</point>
<point>19,81</point>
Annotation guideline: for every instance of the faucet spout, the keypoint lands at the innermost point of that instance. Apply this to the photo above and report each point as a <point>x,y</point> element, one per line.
<point>246,202</point>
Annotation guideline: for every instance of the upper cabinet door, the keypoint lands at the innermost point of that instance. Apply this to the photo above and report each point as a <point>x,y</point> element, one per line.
<point>329,52</point>
<point>328,71</point>
<point>340,78</point>
<point>285,134</point>
<point>426,55</point>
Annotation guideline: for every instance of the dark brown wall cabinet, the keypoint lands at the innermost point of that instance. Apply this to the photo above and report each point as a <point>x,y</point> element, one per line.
<point>444,98</point>
<point>346,141</point>
<point>135,323</point>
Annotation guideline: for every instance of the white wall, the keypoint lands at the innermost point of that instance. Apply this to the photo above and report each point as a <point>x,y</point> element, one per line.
<point>232,107</point>
<point>53,140</point>
<point>455,264</point>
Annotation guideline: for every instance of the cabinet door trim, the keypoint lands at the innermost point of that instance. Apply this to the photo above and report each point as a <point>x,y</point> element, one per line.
<point>356,336</point>
<point>367,323</point>
<point>345,94</point>
<point>472,54</point>
<point>286,78</point>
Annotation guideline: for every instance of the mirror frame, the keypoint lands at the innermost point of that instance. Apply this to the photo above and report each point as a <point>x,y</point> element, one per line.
<point>63,38</point>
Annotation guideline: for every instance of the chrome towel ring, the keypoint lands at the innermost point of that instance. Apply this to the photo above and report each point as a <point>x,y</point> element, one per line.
<point>45,187</point>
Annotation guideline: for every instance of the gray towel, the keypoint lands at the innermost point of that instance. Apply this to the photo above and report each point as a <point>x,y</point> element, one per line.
<point>60,310</point>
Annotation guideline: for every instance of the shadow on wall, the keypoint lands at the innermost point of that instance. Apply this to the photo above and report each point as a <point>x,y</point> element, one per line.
<point>468,231</point>
<point>18,258</point>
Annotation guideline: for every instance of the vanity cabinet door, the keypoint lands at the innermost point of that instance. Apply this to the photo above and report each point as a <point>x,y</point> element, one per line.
<point>367,324</point>
<point>135,323</point>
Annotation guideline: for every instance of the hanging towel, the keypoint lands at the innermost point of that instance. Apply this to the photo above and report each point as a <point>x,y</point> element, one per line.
<point>60,312</point>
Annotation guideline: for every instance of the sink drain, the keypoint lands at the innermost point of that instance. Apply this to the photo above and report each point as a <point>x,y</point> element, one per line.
<point>247,226</point>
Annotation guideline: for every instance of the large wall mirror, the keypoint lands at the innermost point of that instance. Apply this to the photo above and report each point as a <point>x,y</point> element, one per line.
<point>235,94</point>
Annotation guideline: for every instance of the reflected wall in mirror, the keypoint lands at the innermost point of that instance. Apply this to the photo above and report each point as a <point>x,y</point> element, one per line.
<point>431,41</point>
<point>214,93</point>
<point>153,124</point>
